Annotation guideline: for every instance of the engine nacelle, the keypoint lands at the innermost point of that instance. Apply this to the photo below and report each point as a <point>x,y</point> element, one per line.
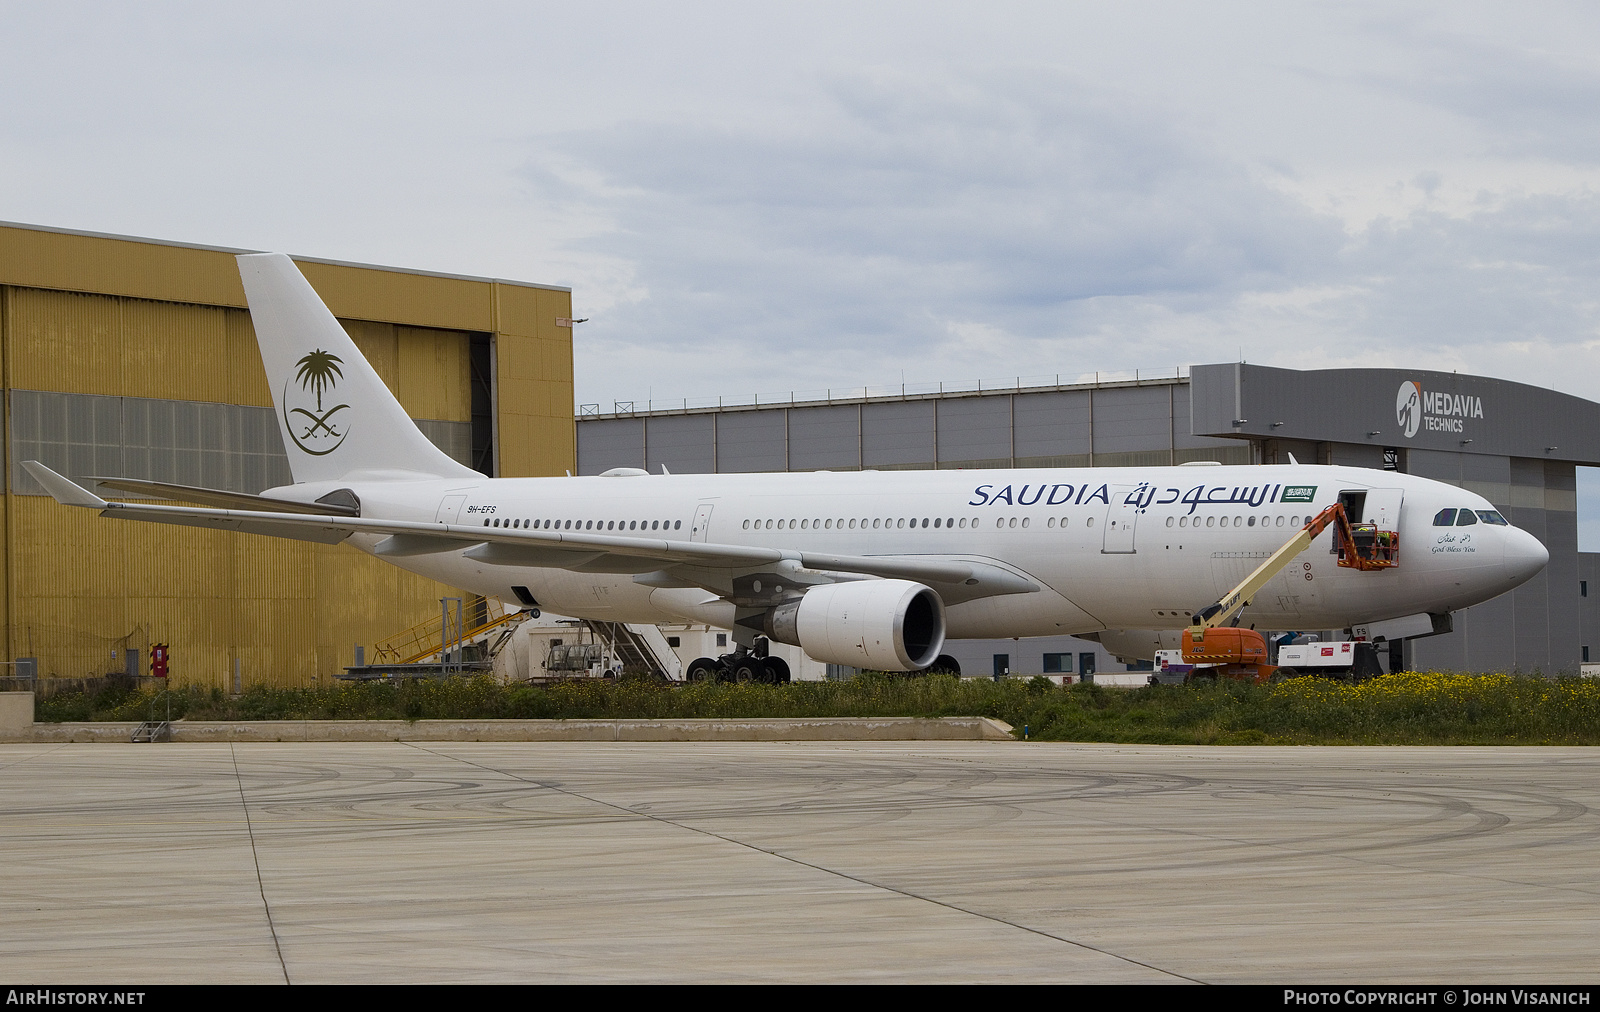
<point>882,625</point>
<point>1136,644</point>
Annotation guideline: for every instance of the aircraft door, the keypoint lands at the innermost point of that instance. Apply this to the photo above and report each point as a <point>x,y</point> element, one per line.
<point>1383,508</point>
<point>450,509</point>
<point>1122,521</point>
<point>702,521</point>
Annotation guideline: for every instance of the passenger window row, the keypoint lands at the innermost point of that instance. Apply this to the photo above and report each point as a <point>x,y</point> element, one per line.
<point>841,524</point>
<point>1278,521</point>
<point>1444,518</point>
<point>1466,518</point>
<point>585,525</point>
<point>893,523</point>
<point>1007,522</point>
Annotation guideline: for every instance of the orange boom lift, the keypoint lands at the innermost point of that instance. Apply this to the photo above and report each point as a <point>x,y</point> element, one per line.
<point>1242,653</point>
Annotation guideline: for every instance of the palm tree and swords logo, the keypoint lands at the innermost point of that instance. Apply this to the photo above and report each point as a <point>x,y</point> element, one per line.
<point>315,431</point>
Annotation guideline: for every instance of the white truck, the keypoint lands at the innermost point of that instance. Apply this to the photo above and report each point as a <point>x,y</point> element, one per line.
<point>1172,669</point>
<point>1316,658</point>
<point>1356,659</point>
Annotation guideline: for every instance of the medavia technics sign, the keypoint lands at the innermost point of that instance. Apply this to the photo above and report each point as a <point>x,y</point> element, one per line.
<point>1394,408</point>
<point>1433,410</point>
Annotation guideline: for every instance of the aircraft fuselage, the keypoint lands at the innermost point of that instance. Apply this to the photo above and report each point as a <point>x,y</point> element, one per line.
<point>1140,547</point>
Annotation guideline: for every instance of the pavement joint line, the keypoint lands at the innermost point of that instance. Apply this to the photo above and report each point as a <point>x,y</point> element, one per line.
<point>814,867</point>
<point>256,859</point>
<point>386,820</point>
<point>36,755</point>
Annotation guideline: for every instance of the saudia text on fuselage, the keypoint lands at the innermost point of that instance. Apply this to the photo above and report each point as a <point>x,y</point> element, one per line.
<point>1143,496</point>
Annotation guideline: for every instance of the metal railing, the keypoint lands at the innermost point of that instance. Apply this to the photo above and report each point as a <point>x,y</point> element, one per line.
<point>427,639</point>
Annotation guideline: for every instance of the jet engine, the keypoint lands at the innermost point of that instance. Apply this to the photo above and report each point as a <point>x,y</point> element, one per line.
<point>883,625</point>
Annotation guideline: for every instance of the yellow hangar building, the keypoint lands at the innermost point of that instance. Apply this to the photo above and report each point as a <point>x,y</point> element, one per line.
<point>128,357</point>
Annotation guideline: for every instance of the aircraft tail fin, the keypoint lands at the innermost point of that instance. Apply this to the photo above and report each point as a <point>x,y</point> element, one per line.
<point>337,417</point>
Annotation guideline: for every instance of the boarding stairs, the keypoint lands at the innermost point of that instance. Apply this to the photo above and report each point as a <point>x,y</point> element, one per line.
<point>638,646</point>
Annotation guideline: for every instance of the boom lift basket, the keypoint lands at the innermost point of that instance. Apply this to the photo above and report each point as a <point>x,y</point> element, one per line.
<point>1364,547</point>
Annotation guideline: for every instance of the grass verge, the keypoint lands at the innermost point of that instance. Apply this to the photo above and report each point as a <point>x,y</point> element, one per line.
<point>1405,709</point>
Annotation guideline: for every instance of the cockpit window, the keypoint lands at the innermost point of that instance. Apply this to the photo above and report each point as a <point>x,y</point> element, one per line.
<point>1444,518</point>
<point>1466,518</point>
<point>1493,517</point>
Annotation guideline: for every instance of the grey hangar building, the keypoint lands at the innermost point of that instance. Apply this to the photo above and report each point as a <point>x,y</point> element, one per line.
<point>1516,445</point>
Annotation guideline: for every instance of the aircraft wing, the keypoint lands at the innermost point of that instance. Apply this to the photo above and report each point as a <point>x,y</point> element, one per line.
<point>653,561</point>
<point>227,500</point>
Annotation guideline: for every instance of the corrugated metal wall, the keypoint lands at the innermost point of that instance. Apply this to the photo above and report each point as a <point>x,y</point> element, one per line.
<point>1538,626</point>
<point>534,429</point>
<point>172,390</point>
<point>1114,425</point>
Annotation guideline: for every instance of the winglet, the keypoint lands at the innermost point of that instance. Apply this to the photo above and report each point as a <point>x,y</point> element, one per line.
<point>66,493</point>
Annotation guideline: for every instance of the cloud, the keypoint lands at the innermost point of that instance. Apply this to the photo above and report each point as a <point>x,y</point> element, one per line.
<point>747,199</point>
<point>876,235</point>
<point>1512,290</point>
<point>1527,98</point>
<point>1026,222</point>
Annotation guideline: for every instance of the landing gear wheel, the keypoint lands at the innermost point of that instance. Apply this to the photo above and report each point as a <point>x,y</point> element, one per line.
<point>747,670</point>
<point>944,664</point>
<point>703,669</point>
<point>777,672</point>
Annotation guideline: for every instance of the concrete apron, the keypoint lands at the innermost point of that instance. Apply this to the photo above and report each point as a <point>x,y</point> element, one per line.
<point>700,729</point>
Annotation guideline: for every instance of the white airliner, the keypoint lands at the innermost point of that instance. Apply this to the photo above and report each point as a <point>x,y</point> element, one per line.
<point>863,568</point>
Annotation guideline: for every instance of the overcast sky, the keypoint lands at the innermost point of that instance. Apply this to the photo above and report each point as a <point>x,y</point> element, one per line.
<point>757,198</point>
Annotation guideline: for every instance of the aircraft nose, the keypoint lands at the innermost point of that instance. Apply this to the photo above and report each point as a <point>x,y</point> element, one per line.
<point>1525,555</point>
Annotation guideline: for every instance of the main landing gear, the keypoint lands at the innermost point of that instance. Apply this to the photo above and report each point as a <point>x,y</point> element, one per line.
<point>743,665</point>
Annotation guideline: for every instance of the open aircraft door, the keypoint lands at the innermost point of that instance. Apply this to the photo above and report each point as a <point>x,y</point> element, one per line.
<point>1383,508</point>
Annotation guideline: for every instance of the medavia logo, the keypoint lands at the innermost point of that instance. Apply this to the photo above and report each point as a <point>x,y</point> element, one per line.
<point>313,429</point>
<point>1434,410</point>
<point>1408,407</point>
